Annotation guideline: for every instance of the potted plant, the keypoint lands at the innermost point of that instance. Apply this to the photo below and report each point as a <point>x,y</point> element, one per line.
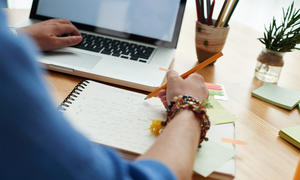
<point>278,39</point>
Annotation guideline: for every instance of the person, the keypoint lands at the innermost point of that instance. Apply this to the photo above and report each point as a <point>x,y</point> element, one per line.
<point>37,142</point>
<point>48,34</point>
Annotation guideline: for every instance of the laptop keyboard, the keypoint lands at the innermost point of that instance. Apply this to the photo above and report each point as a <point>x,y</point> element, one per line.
<point>115,48</point>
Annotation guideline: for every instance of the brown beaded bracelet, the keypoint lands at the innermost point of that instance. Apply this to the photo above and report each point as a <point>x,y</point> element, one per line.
<point>185,102</point>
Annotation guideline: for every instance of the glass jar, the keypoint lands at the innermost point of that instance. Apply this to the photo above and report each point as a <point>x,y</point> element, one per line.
<point>269,65</point>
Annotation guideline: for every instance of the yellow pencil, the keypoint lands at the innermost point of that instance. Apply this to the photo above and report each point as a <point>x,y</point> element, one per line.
<point>186,74</point>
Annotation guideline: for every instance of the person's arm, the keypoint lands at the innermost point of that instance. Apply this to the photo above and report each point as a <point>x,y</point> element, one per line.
<point>177,145</point>
<point>37,142</point>
<point>47,34</point>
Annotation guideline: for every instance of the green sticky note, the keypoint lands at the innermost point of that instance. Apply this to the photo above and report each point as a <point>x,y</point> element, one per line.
<point>292,135</point>
<point>216,92</point>
<point>217,114</point>
<point>210,157</point>
<point>282,97</point>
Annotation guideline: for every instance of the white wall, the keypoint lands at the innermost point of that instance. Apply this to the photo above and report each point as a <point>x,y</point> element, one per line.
<point>19,4</point>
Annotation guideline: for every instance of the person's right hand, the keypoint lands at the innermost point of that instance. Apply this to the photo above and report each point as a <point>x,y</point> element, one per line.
<point>47,34</point>
<point>193,86</point>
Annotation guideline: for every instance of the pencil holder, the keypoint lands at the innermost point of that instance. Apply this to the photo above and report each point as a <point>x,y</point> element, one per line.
<point>209,40</point>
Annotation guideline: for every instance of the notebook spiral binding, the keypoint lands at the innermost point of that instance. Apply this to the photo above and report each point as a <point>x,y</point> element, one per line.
<point>73,95</point>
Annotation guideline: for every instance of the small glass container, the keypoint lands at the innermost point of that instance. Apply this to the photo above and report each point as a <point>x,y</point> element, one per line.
<point>269,65</point>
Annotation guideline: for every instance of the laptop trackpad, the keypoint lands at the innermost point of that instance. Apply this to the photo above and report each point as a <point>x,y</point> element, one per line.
<point>70,59</point>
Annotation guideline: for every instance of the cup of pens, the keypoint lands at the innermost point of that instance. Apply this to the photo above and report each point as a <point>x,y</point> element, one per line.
<point>211,35</point>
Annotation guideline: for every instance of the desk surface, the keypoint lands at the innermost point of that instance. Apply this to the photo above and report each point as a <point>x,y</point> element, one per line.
<point>267,156</point>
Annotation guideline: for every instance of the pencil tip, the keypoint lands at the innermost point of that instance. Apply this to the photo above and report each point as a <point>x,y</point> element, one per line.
<point>146,98</point>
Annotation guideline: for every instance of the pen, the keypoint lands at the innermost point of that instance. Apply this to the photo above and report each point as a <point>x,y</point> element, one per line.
<point>186,74</point>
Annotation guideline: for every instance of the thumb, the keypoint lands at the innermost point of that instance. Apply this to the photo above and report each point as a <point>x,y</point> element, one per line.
<point>173,76</point>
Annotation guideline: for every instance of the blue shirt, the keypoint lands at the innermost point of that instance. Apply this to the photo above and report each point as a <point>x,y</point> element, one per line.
<point>36,141</point>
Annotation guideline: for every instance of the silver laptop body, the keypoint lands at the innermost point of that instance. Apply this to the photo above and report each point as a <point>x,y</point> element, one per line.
<point>125,42</point>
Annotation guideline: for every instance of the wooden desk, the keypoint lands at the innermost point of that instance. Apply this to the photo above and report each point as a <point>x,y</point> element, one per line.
<point>267,156</point>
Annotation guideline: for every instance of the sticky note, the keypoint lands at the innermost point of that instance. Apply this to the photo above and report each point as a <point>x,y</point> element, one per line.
<point>278,96</point>
<point>164,69</point>
<point>234,141</point>
<point>212,84</point>
<point>210,157</point>
<point>292,135</point>
<point>217,114</point>
<point>214,87</point>
<point>215,92</point>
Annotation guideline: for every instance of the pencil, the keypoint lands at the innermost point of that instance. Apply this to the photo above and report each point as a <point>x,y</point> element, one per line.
<point>227,21</point>
<point>223,13</point>
<point>223,7</point>
<point>186,74</point>
<point>202,11</point>
<point>208,6</point>
<point>229,12</point>
<point>197,9</point>
<point>211,13</point>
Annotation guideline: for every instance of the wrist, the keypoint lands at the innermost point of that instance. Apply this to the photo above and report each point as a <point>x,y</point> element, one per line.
<point>187,115</point>
<point>180,105</point>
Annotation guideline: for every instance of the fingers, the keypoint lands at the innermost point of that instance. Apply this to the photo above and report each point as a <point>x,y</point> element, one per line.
<point>66,29</point>
<point>162,93</point>
<point>196,77</point>
<point>67,41</point>
<point>62,21</point>
<point>163,97</point>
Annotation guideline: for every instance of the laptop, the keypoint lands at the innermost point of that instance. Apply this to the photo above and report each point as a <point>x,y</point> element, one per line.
<point>125,42</point>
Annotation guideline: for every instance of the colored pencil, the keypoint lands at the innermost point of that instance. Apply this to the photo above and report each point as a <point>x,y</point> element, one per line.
<point>208,6</point>
<point>197,9</point>
<point>202,11</point>
<point>227,21</point>
<point>221,12</point>
<point>229,12</point>
<point>211,13</point>
<point>186,74</point>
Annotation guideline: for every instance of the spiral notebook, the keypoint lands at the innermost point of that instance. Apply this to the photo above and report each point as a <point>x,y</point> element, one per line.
<point>121,119</point>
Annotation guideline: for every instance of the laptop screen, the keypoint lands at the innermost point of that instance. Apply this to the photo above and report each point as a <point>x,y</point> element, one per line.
<point>152,20</point>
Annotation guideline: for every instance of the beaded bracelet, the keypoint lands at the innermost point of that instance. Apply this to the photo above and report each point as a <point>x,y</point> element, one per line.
<point>185,102</point>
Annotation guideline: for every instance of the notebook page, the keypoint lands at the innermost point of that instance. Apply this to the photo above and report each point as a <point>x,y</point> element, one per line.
<point>120,119</point>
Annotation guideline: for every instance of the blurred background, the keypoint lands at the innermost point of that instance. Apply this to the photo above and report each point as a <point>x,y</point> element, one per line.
<point>254,13</point>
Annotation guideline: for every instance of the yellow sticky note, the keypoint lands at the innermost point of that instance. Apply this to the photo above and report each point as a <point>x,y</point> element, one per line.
<point>219,115</point>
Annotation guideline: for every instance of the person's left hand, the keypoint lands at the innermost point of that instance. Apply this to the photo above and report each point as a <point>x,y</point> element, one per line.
<point>47,34</point>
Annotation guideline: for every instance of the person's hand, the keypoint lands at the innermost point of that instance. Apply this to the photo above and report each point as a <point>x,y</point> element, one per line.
<point>193,86</point>
<point>47,34</point>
